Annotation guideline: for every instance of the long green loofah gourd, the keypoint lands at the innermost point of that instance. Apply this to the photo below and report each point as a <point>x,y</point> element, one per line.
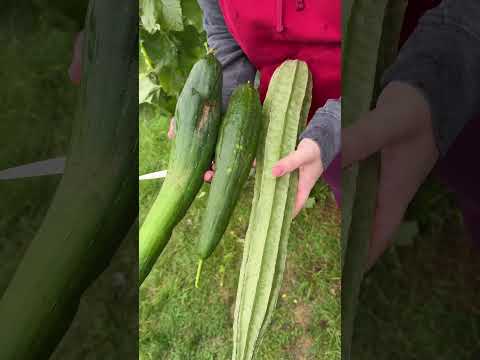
<point>285,111</point>
<point>96,202</point>
<point>197,121</point>
<point>371,32</point>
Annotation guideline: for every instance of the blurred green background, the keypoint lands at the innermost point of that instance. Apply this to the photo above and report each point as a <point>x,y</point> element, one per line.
<point>37,106</point>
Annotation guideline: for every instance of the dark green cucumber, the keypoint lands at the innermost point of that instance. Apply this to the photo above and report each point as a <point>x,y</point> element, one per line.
<point>96,201</point>
<point>197,121</point>
<point>235,152</point>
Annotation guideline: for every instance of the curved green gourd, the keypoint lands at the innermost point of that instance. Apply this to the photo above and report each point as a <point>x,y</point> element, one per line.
<point>370,41</point>
<point>234,155</point>
<point>197,121</point>
<point>96,201</point>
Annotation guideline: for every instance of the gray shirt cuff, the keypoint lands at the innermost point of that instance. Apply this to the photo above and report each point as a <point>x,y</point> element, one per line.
<point>442,59</point>
<point>237,69</point>
<point>324,128</point>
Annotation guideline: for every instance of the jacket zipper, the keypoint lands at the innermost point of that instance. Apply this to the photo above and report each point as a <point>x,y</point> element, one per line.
<point>280,26</point>
<point>300,5</point>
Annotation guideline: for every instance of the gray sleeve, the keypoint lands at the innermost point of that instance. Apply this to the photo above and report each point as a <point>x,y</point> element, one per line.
<point>237,69</point>
<point>442,59</point>
<point>324,128</point>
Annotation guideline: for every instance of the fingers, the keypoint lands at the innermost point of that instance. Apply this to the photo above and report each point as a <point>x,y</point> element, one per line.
<point>307,158</point>
<point>289,163</point>
<point>171,129</point>
<point>208,176</point>
<point>307,152</point>
<point>75,70</point>
<point>401,111</point>
<point>363,138</point>
<point>306,182</point>
<point>399,181</point>
<point>393,199</point>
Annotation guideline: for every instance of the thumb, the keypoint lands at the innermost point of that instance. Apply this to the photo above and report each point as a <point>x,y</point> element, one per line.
<point>402,111</point>
<point>306,152</point>
<point>171,129</point>
<point>305,186</point>
<point>289,163</point>
<point>365,137</point>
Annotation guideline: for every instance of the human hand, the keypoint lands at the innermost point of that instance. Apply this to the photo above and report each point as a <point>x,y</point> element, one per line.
<point>75,70</point>
<point>308,160</point>
<point>400,128</point>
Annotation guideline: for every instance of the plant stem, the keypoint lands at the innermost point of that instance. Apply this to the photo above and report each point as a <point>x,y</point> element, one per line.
<point>199,271</point>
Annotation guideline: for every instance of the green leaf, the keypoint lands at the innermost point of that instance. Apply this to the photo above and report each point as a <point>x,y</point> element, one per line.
<point>192,14</point>
<point>149,15</point>
<point>144,64</point>
<point>161,50</point>
<point>171,79</point>
<point>171,15</point>
<point>171,40</point>
<point>190,44</point>
<point>146,89</point>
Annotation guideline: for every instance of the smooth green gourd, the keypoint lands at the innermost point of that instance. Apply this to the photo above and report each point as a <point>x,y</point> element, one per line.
<point>197,122</point>
<point>234,155</point>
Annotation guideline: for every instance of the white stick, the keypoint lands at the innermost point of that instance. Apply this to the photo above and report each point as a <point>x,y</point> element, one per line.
<point>154,175</point>
<point>55,166</point>
<point>40,168</point>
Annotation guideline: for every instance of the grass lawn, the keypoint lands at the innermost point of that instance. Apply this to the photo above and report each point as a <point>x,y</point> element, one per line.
<point>422,301</point>
<point>178,321</point>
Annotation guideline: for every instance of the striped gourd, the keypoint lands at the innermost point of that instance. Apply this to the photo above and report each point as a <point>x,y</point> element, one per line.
<point>285,111</point>
<point>368,47</point>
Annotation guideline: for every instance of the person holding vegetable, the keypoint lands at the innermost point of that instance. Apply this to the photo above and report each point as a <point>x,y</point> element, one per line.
<point>249,35</point>
<point>427,116</point>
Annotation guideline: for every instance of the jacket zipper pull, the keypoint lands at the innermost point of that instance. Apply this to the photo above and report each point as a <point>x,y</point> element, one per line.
<point>300,5</point>
<point>279,16</point>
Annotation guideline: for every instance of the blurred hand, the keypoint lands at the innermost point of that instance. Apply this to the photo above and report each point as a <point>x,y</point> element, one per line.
<point>308,160</point>
<point>75,70</point>
<point>400,128</point>
<point>171,129</point>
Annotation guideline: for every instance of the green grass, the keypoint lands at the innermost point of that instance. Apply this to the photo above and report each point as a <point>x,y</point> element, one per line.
<point>178,321</point>
<point>422,301</point>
